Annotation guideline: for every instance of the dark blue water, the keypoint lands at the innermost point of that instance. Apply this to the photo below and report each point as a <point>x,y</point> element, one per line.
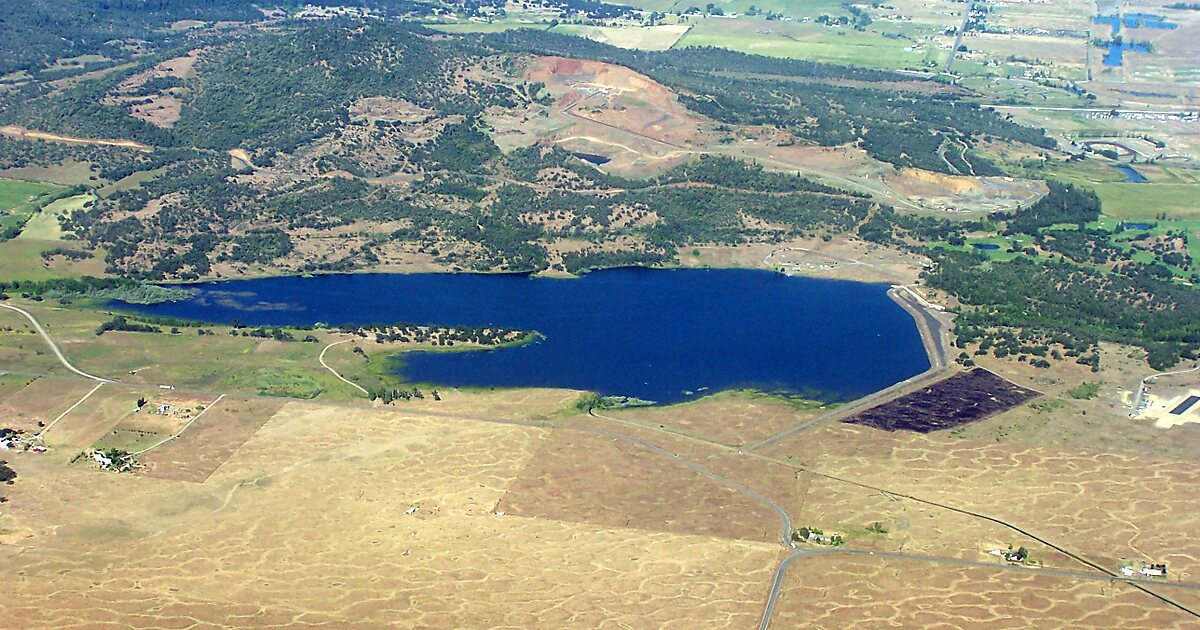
<point>987,246</point>
<point>1137,226</point>
<point>1131,175</point>
<point>1147,20</point>
<point>649,334</point>
<point>598,160</point>
<point>1134,20</point>
<point>1116,52</point>
<point>1111,20</point>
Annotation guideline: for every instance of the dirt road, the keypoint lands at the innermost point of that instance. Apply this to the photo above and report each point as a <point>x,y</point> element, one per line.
<point>53,346</point>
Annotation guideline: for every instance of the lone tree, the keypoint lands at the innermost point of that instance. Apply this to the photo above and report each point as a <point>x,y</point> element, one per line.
<point>6,474</point>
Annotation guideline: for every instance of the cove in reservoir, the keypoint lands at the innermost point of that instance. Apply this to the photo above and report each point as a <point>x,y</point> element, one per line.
<point>660,335</point>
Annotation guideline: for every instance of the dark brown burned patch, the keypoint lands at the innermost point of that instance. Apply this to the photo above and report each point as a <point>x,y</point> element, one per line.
<point>961,399</point>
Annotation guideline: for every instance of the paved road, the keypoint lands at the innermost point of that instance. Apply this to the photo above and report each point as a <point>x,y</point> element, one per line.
<point>321,358</point>
<point>934,325</point>
<point>959,37</point>
<point>53,346</point>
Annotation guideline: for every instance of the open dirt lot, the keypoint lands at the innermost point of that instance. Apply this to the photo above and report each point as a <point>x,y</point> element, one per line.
<point>842,258</point>
<point>956,194</point>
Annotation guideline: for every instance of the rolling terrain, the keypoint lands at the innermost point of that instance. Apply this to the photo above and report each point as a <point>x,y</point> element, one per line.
<point>982,158</point>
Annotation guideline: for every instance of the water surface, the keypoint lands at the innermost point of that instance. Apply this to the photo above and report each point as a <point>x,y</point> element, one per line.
<point>660,335</point>
<point>1147,20</point>
<point>1116,52</point>
<point>1131,175</point>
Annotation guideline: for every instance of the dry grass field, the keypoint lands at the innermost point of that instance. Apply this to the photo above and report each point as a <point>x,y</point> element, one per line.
<point>42,400</point>
<point>267,513</point>
<point>834,591</point>
<point>210,441</point>
<point>357,518</point>
<point>576,477</point>
<point>729,418</point>
<point>1069,497</point>
<point>509,508</point>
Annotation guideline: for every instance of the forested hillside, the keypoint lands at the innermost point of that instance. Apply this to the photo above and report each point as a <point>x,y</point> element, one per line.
<point>824,104</point>
<point>341,145</point>
<point>289,97</point>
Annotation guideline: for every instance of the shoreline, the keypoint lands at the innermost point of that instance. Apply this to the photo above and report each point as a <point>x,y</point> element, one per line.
<point>933,330</point>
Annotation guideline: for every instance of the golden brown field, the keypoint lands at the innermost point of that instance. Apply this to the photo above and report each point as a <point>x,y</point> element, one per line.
<point>513,509</point>
<point>858,592</point>
<point>309,523</point>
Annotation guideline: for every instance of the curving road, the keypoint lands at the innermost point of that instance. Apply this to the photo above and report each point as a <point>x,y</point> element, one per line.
<point>1141,390</point>
<point>343,379</point>
<point>53,346</point>
<point>962,28</point>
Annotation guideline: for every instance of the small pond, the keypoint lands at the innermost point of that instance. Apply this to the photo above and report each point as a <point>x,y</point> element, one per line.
<point>1131,175</point>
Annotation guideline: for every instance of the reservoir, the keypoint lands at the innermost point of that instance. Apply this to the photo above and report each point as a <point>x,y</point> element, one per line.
<point>659,335</point>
